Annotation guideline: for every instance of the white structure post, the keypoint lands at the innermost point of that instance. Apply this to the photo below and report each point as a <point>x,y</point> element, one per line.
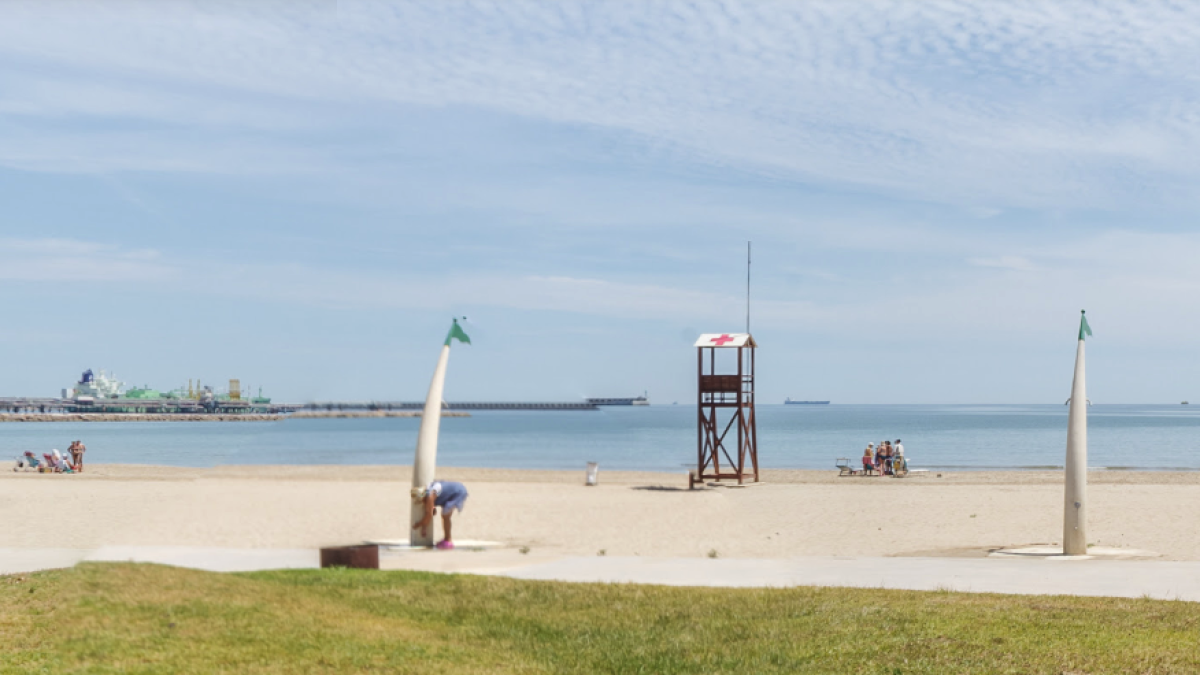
<point>425,462</point>
<point>1075,474</point>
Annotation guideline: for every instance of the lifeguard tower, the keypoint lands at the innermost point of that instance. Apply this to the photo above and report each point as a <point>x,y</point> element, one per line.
<point>724,403</point>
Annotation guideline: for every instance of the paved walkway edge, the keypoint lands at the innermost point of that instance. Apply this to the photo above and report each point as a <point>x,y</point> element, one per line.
<point>1167,580</point>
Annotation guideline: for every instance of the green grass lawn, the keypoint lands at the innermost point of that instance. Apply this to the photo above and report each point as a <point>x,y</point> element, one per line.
<point>109,618</point>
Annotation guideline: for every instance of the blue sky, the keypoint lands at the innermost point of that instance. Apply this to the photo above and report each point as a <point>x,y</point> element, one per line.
<point>302,194</point>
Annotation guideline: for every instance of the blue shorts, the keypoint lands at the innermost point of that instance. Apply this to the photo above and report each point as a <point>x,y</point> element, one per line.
<point>452,497</point>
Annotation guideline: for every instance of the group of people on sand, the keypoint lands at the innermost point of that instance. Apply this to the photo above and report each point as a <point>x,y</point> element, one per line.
<point>883,457</point>
<point>54,461</point>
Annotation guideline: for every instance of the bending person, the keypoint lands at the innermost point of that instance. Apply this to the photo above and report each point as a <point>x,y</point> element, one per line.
<point>447,494</point>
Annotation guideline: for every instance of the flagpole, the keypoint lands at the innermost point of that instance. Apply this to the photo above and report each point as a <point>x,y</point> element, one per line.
<point>1075,473</point>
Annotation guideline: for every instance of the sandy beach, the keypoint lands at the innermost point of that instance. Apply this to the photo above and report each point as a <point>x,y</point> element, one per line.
<point>793,513</point>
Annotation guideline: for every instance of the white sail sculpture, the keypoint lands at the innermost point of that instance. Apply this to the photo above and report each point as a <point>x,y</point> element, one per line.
<point>425,461</point>
<point>1075,471</point>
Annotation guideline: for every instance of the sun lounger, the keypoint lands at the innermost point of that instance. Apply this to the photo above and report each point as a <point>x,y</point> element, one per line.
<point>845,468</point>
<point>26,464</point>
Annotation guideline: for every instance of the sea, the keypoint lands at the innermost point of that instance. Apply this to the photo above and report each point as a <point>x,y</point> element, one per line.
<point>650,438</point>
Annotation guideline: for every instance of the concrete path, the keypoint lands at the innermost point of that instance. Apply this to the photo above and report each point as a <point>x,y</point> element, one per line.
<point>1168,580</point>
<point>1112,578</point>
<point>21,560</point>
<point>18,560</point>
<point>212,559</point>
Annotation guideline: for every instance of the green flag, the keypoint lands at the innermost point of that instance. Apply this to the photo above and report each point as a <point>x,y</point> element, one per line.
<point>1084,328</point>
<point>457,333</point>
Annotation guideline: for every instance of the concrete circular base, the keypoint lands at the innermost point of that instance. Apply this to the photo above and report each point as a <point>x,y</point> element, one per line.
<point>1055,552</point>
<point>400,545</point>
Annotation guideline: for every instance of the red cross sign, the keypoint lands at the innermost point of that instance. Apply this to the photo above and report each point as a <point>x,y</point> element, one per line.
<point>722,340</point>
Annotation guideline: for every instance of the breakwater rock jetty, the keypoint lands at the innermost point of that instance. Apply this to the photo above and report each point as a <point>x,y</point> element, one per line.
<point>206,417</point>
<point>135,417</point>
<point>176,407</point>
<point>450,406</point>
<point>346,414</point>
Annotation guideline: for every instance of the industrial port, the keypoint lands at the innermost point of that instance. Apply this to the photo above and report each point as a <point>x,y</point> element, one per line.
<point>101,396</point>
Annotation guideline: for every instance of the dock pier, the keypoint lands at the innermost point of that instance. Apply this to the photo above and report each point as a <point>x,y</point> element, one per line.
<point>50,406</point>
<point>418,405</point>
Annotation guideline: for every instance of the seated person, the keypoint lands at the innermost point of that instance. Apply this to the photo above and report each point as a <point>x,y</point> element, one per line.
<point>61,465</point>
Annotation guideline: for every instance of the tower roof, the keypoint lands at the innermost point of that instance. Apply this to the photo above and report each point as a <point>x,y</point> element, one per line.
<point>725,340</point>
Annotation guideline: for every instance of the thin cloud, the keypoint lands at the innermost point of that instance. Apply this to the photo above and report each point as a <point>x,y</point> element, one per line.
<point>1138,280</point>
<point>1007,262</point>
<point>959,102</point>
<point>69,260</point>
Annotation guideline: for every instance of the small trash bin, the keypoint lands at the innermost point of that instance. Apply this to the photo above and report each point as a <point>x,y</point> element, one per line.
<point>593,474</point>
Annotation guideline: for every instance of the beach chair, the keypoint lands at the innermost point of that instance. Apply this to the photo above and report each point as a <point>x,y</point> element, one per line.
<point>844,467</point>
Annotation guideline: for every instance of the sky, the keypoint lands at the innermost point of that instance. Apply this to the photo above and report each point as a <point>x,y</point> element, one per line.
<point>302,194</point>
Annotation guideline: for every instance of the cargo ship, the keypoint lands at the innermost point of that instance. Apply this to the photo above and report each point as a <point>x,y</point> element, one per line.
<point>789,401</point>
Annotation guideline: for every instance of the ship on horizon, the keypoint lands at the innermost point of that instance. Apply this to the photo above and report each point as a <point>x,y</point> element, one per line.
<point>789,401</point>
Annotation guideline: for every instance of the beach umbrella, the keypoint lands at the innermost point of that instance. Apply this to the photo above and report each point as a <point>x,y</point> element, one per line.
<point>425,461</point>
<point>1075,472</point>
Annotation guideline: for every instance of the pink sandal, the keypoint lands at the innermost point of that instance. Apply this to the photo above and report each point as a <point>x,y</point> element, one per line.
<point>445,545</point>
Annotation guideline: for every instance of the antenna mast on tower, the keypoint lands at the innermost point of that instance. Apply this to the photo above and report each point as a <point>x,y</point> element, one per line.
<point>747,287</point>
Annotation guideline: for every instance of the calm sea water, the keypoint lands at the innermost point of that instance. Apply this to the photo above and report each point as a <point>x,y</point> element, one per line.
<point>655,438</point>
